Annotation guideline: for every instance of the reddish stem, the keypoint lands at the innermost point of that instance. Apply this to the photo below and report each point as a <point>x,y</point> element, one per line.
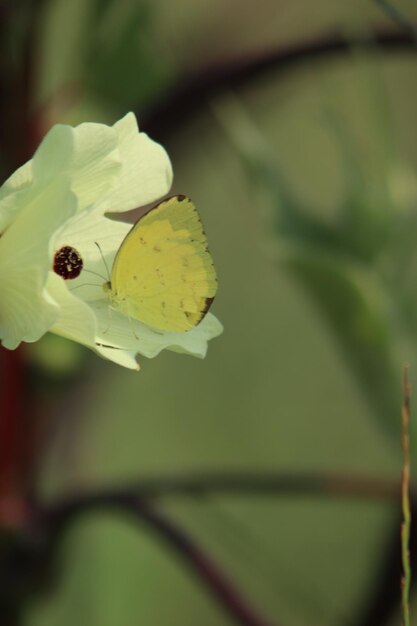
<point>12,437</point>
<point>54,521</point>
<point>19,132</point>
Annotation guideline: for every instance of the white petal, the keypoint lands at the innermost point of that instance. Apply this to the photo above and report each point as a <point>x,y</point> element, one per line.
<point>76,320</point>
<point>88,154</point>
<point>82,232</point>
<point>13,192</point>
<point>195,340</point>
<point>59,199</point>
<point>146,172</point>
<point>121,357</point>
<point>21,178</point>
<point>117,330</point>
<point>26,310</point>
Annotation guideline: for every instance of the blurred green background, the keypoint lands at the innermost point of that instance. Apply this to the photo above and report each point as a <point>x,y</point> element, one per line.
<point>306,183</point>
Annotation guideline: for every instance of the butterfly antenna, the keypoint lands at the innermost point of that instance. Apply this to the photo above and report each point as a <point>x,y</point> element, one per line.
<point>95,273</point>
<point>104,261</point>
<point>83,285</point>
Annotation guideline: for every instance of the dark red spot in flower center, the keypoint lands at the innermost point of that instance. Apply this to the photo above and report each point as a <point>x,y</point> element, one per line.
<point>68,263</point>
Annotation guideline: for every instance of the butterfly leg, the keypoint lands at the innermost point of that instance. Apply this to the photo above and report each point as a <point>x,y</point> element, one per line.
<point>109,311</point>
<point>132,327</point>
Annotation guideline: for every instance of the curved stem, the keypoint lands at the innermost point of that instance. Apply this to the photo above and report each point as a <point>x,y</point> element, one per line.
<point>56,520</point>
<point>134,500</point>
<point>398,17</point>
<point>20,135</point>
<point>261,484</point>
<point>192,92</point>
<point>12,436</point>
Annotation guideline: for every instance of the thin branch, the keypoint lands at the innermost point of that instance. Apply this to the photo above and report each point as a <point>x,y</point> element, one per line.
<point>405,500</point>
<point>259,484</point>
<point>398,17</point>
<point>191,93</point>
<point>56,520</point>
<point>135,499</point>
<point>11,424</point>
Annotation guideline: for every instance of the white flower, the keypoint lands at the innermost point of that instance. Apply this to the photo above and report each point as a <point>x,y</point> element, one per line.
<point>60,198</point>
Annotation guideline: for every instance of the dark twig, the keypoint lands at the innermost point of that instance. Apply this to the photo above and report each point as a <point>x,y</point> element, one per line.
<point>135,499</point>
<point>383,601</point>
<point>191,94</point>
<point>55,521</point>
<point>257,484</point>
<point>398,17</point>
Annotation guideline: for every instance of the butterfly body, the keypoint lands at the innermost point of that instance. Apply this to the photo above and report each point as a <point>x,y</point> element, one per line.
<point>163,274</point>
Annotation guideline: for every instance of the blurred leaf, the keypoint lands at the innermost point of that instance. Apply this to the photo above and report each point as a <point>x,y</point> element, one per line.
<point>56,356</point>
<point>398,16</point>
<point>343,265</point>
<point>357,310</point>
<point>122,66</point>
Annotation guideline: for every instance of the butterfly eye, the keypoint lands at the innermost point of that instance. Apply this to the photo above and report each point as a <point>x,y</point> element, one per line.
<point>68,263</point>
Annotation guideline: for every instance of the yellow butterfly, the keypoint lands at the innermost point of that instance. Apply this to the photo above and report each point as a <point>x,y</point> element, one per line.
<point>163,274</point>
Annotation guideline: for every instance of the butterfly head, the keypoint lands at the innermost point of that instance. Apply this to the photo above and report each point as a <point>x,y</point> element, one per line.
<point>107,287</point>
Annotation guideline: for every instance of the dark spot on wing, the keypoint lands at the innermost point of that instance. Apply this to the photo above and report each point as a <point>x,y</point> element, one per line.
<point>67,263</point>
<point>207,304</point>
<point>181,197</point>
<point>160,276</point>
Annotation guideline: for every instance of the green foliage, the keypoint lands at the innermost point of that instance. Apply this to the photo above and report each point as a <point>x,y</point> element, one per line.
<point>276,392</point>
<point>121,67</point>
<point>357,268</point>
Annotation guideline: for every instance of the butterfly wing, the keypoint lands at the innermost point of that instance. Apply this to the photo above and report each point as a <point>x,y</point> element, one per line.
<point>163,274</point>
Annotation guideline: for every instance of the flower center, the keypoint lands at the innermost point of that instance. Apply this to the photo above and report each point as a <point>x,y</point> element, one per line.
<point>67,263</point>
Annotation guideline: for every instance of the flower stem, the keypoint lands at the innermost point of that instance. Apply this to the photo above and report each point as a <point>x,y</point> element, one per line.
<point>55,520</point>
<point>405,498</point>
<point>192,93</point>
<point>398,17</point>
<point>12,435</point>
